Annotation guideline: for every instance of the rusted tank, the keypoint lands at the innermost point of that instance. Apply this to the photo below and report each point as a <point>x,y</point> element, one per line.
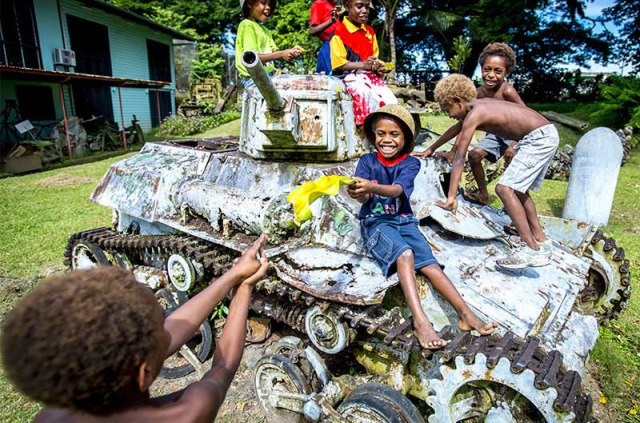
<point>184,210</point>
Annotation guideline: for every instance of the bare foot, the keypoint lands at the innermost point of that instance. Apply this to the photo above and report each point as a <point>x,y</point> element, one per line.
<point>428,337</point>
<point>469,321</point>
<point>475,197</point>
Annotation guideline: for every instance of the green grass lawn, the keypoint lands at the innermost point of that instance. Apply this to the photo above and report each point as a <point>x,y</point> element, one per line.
<point>39,212</point>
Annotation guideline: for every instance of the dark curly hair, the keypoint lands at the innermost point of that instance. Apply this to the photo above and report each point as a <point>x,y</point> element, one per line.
<point>77,340</point>
<point>501,50</point>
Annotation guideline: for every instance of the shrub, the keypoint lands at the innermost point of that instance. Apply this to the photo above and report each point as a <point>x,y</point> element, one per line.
<point>620,105</point>
<point>182,126</point>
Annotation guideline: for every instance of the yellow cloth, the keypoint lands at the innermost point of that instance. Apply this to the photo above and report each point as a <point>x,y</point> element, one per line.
<point>303,196</point>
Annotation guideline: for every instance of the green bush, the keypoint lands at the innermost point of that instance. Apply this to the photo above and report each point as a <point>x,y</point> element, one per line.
<point>182,126</point>
<point>620,106</point>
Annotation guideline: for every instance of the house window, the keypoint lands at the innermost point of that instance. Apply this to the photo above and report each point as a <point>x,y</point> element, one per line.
<point>159,102</point>
<point>36,102</point>
<point>159,61</point>
<point>18,34</point>
<point>90,41</point>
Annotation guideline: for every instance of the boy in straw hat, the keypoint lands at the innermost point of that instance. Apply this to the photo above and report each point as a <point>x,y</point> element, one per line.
<point>384,183</point>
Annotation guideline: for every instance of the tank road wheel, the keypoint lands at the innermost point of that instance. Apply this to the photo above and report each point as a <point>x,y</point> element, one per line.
<point>86,255</point>
<point>326,331</point>
<point>505,379</point>
<point>181,272</point>
<point>191,356</point>
<point>375,402</point>
<point>609,280</point>
<point>275,375</point>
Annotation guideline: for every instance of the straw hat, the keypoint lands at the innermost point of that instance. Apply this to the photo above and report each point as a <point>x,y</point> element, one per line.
<point>402,117</point>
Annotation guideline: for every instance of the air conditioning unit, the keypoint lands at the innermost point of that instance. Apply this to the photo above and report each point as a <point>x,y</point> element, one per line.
<point>64,57</point>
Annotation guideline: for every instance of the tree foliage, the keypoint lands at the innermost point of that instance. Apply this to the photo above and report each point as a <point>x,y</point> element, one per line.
<point>626,14</point>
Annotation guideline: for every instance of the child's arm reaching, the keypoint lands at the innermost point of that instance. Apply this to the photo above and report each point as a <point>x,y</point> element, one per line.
<point>444,138</point>
<point>201,400</point>
<point>457,164</point>
<point>184,322</point>
<point>288,55</point>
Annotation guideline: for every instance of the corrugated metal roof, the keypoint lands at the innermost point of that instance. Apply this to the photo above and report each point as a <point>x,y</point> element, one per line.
<point>110,8</point>
<point>29,74</point>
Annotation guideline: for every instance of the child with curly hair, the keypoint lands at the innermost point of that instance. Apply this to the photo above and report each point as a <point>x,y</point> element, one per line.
<point>354,59</point>
<point>539,141</point>
<point>252,35</point>
<point>88,345</point>
<point>496,61</point>
<point>384,183</point>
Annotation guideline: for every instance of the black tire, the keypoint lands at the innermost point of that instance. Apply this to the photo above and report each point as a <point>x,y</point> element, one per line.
<point>175,366</point>
<point>277,372</point>
<point>81,249</point>
<point>366,408</point>
<point>393,398</point>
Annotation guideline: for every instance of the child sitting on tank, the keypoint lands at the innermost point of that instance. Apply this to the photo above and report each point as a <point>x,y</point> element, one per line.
<point>539,141</point>
<point>496,61</point>
<point>354,59</point>
<point>252,35</point>
<point>88,345</point>
<point>384,183</point>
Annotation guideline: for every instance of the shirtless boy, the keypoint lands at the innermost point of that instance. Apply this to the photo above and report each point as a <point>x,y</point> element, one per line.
<point>539,141</point>
<point>496,61</point>
<point>88,345</point>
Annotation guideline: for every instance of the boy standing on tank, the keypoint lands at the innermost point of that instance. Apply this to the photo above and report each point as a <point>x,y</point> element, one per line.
<point>322,23</point>
<point>252,35</point>
<point>384,183</point>
<point>496,61</point>
<point>88,345</point>
<point>539,141</point>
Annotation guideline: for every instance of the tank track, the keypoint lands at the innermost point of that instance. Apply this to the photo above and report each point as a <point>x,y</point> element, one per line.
<point>294,303</point>
<point>289,305</point>
<point>214,261</point>
<point>622,295</point>
<point>524,354</point>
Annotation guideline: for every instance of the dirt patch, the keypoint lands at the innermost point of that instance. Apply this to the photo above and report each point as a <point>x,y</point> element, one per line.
<point>11,290</point>
<point>65,180</point>
<point>602,412</point>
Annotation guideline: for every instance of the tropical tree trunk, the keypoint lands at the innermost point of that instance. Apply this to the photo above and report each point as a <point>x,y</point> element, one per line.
<point>390,21</point>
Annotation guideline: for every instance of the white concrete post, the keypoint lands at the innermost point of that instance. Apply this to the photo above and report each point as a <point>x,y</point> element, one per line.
<point>594,174</point>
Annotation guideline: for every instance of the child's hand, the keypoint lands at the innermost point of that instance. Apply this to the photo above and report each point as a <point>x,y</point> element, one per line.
<point>248,264</point>
<point>509,154</point>
<point>335,15</point>
<point>361,188</point>
<point>290,54</point>
<point>451,204</point>
<point>262,270</point>
<point>424,154</point>
<point>372,63</point>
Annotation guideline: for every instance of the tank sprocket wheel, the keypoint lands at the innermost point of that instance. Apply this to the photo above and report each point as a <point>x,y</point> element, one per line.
<point>609,279</point>
<point>505,375</point>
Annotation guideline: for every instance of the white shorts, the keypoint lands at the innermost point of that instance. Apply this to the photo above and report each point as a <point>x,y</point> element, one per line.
<point>534,154</point>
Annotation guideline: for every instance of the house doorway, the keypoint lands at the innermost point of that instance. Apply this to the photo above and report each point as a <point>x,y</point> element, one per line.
<point>90,41</point>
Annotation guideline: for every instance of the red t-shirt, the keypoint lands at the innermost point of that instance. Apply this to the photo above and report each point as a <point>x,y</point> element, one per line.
<point>320,13</point>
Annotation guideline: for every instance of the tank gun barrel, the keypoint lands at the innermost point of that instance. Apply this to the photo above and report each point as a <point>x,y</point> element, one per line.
<point>253,64</point>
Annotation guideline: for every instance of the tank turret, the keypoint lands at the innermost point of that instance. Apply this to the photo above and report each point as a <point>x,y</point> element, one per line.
<point>297,117</point>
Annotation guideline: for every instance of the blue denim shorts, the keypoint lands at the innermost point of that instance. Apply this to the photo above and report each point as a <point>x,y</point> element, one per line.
<point>385,238</point>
